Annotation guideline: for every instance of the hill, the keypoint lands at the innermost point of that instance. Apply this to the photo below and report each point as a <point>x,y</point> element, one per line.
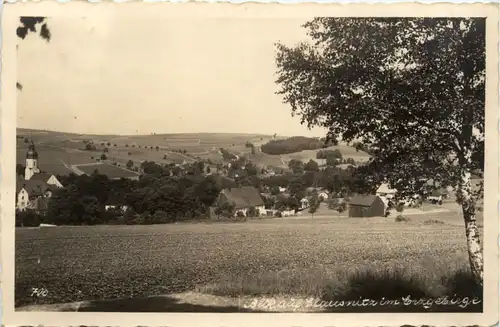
<point>60,150</point>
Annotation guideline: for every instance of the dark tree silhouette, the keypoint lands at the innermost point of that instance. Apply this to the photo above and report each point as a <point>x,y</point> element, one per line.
<point>412,90</point>
<point>33,25</point>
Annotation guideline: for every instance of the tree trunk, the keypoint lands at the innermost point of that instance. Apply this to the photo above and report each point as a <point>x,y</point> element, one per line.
<point>471,230</point>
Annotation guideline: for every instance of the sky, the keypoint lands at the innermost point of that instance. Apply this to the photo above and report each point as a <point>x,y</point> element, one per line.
<point>121,76</point>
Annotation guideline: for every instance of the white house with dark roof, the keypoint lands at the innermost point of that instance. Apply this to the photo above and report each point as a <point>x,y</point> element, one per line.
<point>36,188</point>
<point>243,199</point>
<point>385,191</point>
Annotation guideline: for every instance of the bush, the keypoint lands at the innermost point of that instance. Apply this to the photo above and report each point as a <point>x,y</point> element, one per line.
<point>400,207</point>
<point>240,214</point>
<point>28,218</point>
<point>401,218</point>
<point>433,222</point>
<point>252,212</point>
<point>279,214</point>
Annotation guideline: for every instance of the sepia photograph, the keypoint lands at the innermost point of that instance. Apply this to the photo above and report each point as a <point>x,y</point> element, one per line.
<point>251,163</point>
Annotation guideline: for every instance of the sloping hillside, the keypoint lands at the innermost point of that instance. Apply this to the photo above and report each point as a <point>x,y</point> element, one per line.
<point>59,150</point>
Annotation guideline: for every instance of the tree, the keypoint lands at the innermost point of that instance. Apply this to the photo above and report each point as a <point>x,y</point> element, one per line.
<point>225,209</point>
<point>103,157</point>
<point>415,98</point>
<point>130,164</point>
<point>208,170</point>
<point>342,206</point>
<point>313,204</point>
<point>311,166</point>
<point>20,169</point>
<point>252,212</point>
<point>296,166</point>
<point>333,203</point>
<point>332,161</point>
<point>30,25</point>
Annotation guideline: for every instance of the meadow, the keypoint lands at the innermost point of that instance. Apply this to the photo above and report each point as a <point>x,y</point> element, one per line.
<point>326,257</point>
<point>60,149</point>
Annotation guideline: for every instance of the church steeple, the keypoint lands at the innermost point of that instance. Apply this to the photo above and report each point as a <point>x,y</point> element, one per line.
<point>31,154</point>
<point>31,161</point>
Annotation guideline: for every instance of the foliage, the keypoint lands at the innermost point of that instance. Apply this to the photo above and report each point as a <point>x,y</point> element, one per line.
<point>311,166</point>
<point>296,166</point>
<point>28,218</point>
<point>226,155</point>
<point>83,198</point>
<point>269,202</point>
<point>325,154</point>
<point>104,157</point>
<point>20,170</point>
<point>314,204</point>
<point>292,144</point>
<point>401,218</point>
<point>130,164</point>
<point>383,95</point>
<point>252,212</point>
<point>433,222</point>
<point>32,24</point>
<point>29,24</point>
<point>225,209</point>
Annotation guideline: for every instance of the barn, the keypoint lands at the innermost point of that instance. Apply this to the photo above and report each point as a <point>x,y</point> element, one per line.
<point>367,206</point>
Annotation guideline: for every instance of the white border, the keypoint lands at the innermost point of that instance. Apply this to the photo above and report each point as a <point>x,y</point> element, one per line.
<point>186,10</point>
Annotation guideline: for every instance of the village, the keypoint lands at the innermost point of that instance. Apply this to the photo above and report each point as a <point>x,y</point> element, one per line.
<point>261,193</point>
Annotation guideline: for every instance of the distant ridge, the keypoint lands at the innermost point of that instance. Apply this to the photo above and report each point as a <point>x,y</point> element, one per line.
<point>21,130</point>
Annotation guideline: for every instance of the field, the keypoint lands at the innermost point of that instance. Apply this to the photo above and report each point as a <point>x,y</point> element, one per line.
<point>108,170</point>
<point>300,256</point>
<point>59,150</point>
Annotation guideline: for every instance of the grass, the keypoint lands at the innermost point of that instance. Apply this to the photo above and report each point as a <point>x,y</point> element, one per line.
<point>55,147</point>
<point>109,170</point>
<point>323,257</point>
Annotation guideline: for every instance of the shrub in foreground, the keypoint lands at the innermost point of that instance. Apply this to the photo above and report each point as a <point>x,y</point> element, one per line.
<point>433,222</point>
<point>401,218</point>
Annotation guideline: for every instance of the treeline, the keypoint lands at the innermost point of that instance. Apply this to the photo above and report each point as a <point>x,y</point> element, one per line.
<point>293,144</point>
<point>152,199</point>
<point>168,193</point>
<point>226,155</point>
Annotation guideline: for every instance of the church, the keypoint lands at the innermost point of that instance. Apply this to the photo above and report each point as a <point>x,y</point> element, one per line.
<point>34,191</point>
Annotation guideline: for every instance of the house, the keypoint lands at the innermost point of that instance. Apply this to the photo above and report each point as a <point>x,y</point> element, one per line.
<point>115,202</point>
<point>323,195</point>
<point>36,188</point>
<point>304,203</point>
<point>47,178</point>
<point>436,197</point>
<point>28,191</point>
<point>367,206</point>
<point>243,199</point>
<point>385,191</point>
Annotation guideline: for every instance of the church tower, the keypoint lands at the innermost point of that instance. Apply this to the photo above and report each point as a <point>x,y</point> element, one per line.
<point>31,162</point>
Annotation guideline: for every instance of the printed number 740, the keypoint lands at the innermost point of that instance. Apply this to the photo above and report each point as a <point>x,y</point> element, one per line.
<point>39,292</point>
